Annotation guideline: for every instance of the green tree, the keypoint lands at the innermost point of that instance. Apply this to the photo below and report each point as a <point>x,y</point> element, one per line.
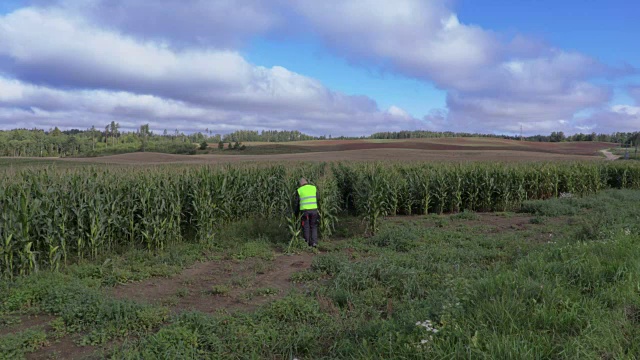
<point>144,136</point>
<point>204,145</point>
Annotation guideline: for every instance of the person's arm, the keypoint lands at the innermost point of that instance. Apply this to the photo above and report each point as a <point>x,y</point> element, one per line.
<point>296,204</point>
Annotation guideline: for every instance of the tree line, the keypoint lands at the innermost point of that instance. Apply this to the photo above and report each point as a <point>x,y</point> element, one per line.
<point>624,138</point>
<point>112,140</point>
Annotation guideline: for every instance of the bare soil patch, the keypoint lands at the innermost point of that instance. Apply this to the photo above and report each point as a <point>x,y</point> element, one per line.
<point>24,322</point>
<point>378,154</point>
<point>213,286</point>
<point>610,156</point>
<point>66,348</point>
<point>429,150</point>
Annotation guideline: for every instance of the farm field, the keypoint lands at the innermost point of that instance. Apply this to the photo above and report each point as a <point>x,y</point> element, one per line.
<point>500,260</point>
<point>408,150</point>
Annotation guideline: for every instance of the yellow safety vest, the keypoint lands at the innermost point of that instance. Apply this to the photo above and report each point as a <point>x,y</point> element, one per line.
<point>308,200</point>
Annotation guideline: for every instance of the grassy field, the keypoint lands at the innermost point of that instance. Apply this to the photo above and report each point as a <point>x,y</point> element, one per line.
<point>622,151</point>
<point>416,260</point>
<point>558,279</point>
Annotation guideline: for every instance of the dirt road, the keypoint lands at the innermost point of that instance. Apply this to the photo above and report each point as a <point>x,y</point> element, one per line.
<point>610,156</point>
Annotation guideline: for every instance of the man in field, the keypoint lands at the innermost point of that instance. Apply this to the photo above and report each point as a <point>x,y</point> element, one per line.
<point>306,201</point>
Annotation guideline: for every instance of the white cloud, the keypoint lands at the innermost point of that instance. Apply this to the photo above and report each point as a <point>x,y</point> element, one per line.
<point>112,75</point>
<point>494,85</point>
<point>220,23</point>
<point>627,110</point>
<point>616,118</point>
<point>27,105</point>
<point>417,38</point>
<point>399,112</point>
<point>176,59</point>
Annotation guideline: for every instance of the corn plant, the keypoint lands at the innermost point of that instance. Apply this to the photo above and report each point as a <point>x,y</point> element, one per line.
<point>52,217</point>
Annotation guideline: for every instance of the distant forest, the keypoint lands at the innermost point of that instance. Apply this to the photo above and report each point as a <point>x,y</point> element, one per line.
<point>111,140</point>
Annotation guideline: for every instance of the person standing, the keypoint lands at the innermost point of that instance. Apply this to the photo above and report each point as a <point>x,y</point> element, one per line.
<point>307,204</point>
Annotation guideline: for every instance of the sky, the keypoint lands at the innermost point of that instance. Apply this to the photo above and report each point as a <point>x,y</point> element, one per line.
<point>330,67</point>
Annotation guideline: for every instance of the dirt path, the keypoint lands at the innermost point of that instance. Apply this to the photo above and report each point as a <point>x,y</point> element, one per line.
<point>228,285</point>
<point>66,348</point>
<point>212,286</point>
<point>23,322</point>
<point>609,155</point>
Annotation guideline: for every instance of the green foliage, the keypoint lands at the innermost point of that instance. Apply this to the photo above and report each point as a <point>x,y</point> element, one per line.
<point>465,215</point>
<point>462,291</point>
<point>329,264</point>
<point>254,249</point>
<point>81,308</point>
<point>50,218</point>
<point>16,345</point>
<point>397,238</point>
<point>220,290</point>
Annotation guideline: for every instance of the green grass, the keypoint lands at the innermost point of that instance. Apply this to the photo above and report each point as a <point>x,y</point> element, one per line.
<point>633,155</point>
<point>563,287</point>
<point>16,345</point>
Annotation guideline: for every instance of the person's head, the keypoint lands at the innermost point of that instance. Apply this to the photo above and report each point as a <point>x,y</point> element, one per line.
<point>303,181</point>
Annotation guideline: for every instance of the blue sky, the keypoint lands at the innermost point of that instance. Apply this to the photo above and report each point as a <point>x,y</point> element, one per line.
<point>341,67</point>
<point>605,29</point>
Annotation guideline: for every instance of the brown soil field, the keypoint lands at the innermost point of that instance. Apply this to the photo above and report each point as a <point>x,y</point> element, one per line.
<point>384,155</point>
<point>410,150</point>
<point>449,144</point>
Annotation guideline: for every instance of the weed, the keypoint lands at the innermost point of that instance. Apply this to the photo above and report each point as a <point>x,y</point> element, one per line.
<point>257,249</point>
<point>15,345</point>
<point>305,276</point>
<point>170,301</point>
<point>537,220</point>
<point>465,215</point>
<point>262,267</point>
<point>396,238</point>
<point>330,264</point>
<point>182,292</point>
<point>242,281</point>
<point>263,292</point>
<point>221,290</point>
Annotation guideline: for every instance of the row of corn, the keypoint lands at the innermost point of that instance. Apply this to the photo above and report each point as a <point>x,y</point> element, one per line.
<point>50,217</point>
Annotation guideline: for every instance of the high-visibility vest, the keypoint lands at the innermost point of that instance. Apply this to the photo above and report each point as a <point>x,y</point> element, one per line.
<point>308,200</point>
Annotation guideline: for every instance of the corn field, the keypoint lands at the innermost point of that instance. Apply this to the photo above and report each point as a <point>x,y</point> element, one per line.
<point>50,217</point>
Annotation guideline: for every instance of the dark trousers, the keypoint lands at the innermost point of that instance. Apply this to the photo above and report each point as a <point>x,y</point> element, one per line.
<point>310,226</point>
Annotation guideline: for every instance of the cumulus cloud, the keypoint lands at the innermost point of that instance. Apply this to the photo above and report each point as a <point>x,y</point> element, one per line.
<point>177,61</point>
<point>26,106</point>
<point>76,66</point>
<point>613,119</point>
<point>493,84</point>
<point>220,23</point>
<point>421,39</point>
